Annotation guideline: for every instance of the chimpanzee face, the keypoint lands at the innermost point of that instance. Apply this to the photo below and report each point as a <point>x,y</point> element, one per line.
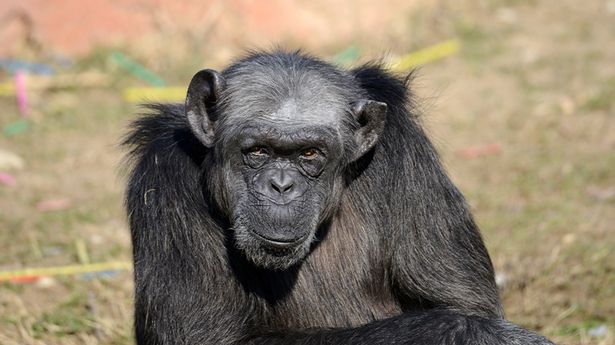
<point>283,179</point>
<point>279,156</point>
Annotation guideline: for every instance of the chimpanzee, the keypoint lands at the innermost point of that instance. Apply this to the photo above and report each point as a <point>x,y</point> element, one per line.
<point>292,202</point>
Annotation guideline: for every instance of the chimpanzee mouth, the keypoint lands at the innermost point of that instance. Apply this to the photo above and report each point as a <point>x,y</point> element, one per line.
<point>279,245</point>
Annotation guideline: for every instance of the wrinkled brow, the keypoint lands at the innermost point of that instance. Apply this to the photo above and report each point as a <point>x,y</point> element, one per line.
<point>287,138</point>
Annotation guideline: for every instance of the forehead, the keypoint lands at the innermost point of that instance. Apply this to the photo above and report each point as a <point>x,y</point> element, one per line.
<point>298,112</point>
<point>264,131</point>
<point>284,94</point>
<point>304,107</point>
<point>287,121</point>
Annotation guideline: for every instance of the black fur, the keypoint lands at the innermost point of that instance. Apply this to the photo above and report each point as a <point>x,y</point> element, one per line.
<point>396,259</point>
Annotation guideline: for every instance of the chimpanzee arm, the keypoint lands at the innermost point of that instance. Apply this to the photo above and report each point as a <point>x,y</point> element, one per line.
<point>184,293</point>
<point>437,255</point>
<point>437,327</point>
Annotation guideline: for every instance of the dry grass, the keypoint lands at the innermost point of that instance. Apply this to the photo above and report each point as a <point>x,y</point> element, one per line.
<point>535,78</point>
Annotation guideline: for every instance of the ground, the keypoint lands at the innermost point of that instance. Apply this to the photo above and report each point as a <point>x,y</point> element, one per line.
<point>532,89</point>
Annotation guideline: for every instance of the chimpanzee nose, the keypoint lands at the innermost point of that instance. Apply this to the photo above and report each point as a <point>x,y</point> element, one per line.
<point>282,183</point>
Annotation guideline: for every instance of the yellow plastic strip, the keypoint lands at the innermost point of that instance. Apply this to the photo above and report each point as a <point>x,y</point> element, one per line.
<point>155,94</point>
<point>66,270</point>
<point>426,55</point>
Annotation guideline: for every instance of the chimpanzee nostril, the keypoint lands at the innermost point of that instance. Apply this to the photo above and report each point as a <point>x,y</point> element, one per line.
<point>282,188</point>
<point>281,182</point>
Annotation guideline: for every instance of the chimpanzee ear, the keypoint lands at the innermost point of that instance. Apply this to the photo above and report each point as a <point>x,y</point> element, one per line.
<point>203,93</point>
<point>371,116</point>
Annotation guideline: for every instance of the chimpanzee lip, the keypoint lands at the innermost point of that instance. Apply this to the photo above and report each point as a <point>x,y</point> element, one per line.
<point>280,244</point>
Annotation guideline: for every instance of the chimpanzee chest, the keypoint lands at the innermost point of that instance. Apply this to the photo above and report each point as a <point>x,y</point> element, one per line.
<point>340,284</point>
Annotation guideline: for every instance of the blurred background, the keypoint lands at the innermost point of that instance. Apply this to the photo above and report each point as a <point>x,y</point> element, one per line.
<point>519,100</point>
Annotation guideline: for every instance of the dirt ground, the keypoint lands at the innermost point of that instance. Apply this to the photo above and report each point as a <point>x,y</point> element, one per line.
<point>523,116</point>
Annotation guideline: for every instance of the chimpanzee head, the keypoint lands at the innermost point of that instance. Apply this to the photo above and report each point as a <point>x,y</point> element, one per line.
<point>282,129</point>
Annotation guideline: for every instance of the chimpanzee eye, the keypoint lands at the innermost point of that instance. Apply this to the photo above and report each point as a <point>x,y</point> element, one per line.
<point>310,153</point>
<point>257,151</point>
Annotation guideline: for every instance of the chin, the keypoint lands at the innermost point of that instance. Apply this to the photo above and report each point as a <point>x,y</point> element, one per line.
<point>270,254</point>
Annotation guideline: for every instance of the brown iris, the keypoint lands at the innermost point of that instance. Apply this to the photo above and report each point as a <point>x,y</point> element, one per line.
<point>309,153</point>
